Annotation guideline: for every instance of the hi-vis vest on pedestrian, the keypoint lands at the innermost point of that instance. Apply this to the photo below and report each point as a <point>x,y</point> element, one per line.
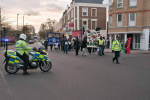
<point>101,42</point>
<point>116,45</point>
<point>22,47</point>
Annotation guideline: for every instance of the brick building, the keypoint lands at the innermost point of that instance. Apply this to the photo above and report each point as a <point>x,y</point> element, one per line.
<point>90,14</point>
<point>130,18</point>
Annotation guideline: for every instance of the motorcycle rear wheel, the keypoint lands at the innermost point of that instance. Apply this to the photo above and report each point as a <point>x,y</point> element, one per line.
<point>46,66</point>
<point>11,68</point>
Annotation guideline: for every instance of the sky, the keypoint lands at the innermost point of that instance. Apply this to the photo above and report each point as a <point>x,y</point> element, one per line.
<point>35,12</point>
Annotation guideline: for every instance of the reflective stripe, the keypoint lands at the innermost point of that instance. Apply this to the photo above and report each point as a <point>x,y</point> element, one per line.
<point>116,45</point>
<point>22,47</point>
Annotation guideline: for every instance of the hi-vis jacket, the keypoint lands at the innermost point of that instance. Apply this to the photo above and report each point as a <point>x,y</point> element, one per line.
<point>101,42</point>
<point>22,47</point>
<point>116,45</point>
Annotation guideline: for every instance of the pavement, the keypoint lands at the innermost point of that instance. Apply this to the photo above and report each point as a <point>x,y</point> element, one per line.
<point>132,51</point>
<point>81,78</point>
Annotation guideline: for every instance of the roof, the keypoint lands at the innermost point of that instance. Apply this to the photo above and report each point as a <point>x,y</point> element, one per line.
<point>89,1</point>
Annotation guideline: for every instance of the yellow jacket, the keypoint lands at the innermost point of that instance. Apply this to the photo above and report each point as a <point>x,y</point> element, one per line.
<point>116,45</point>
<point>22,47</point>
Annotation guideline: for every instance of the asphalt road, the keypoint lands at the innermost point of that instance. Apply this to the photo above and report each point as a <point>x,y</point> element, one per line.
<point>81,78</point>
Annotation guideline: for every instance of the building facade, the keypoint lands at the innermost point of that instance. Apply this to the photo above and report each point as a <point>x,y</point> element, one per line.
<point>130,18</point>
<point>90,14</point>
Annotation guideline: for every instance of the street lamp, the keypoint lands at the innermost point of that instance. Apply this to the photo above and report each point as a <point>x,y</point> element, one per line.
<point>17,20</point>
<point>23,20</point>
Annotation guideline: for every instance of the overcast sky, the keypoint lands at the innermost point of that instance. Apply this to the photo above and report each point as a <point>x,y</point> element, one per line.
<point>35,11</point>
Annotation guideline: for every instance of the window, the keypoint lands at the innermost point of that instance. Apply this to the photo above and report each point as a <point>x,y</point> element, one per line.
<point>110,20</point>
<point>133,3</point>
<point>84,11</point>
<point>93,24</point>
<point>85,23</point>
<point>119,19</point>
<point>93,12</point>
<point>137,41</point>
<point>132,19</point>
<point>119,3</point>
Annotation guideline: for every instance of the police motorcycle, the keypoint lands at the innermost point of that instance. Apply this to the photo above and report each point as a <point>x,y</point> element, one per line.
<point>38,59</point>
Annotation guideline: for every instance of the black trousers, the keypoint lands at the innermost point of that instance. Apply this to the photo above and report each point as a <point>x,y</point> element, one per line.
<point>46,47</point>
<point>25,58</point>
<point>51,46</point>
<point>103,48</point>
<point>90,50</point>
<point>100,50</point>
<point>116,56</point>
<point>77,51</point>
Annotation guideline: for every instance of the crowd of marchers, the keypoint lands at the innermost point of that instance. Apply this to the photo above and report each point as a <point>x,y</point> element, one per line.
<point>79,46</point>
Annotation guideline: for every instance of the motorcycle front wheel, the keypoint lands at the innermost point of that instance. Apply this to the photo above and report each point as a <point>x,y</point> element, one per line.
<point>11,68</point>
<point>46,66</point>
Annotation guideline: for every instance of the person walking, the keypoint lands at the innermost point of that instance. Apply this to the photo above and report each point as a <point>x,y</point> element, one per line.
<point>116,48</point>
<point>107,43</point>
<point>66,45</point>
<point>46,44</point>
<point>84,47</point>
<point>51,46</point>
<point>69,45</point>
<point>56,46</point>
<point>77,46</point>
<point>101,45</point>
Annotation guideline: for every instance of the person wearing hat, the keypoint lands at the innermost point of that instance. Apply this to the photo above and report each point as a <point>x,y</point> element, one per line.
<point>22,51</point>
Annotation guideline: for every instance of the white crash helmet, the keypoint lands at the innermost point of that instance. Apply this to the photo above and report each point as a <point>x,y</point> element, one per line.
<point>23,36</point>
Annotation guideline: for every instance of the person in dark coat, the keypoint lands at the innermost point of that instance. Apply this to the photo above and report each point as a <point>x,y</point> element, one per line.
<point>46,44</point>
<point>66,45</point>
<point>77,46</point>
<point>84,47</point>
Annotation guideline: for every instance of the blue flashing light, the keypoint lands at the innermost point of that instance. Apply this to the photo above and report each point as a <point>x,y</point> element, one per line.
<point>5,40</point>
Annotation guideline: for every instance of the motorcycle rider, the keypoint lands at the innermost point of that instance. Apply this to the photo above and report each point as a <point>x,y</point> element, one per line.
<point>22,50</point>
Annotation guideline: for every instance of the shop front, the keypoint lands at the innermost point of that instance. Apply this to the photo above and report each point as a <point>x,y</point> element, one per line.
<point>123,37</point>
<point>139,40</point>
